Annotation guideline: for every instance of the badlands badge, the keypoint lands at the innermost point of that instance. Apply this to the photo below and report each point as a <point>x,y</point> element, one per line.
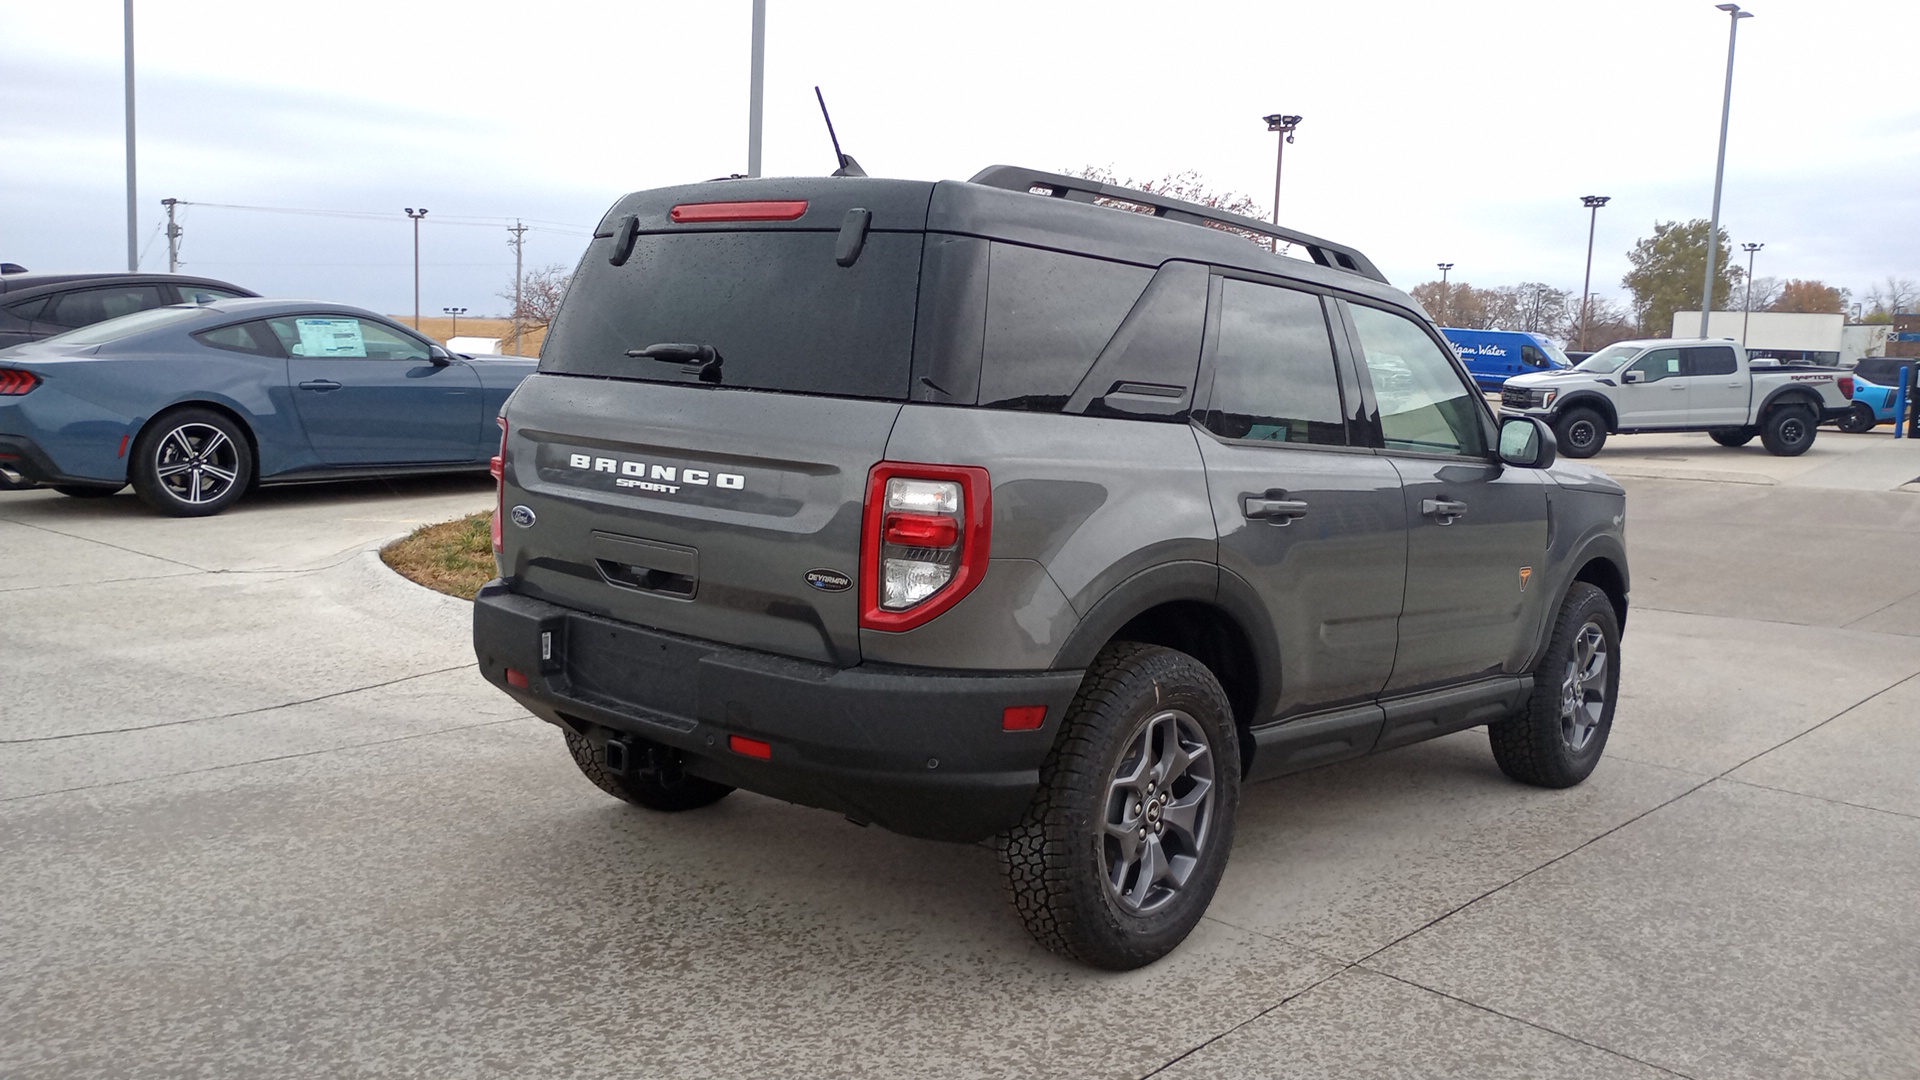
<point>1526,574</point>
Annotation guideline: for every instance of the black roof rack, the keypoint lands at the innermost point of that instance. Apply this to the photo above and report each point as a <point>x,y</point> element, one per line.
<point>1073,188</point>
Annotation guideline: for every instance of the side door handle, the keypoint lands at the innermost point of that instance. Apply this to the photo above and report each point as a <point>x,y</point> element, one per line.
<point>1277,511</point>
<point>321,385</point>
<point>1442,510</point>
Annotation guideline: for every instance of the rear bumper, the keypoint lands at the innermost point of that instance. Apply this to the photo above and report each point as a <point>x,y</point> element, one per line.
<point>21,455</point>
<point>917,751</point>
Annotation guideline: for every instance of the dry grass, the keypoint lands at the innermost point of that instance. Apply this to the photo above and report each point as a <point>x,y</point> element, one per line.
<point>454,557</point>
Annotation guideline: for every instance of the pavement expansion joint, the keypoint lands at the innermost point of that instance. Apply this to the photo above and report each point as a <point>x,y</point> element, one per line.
<point>104,543</point>
<point>234,715</point>
<point>1818,798</point>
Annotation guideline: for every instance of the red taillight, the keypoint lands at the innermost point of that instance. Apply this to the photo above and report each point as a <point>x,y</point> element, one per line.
<point>1023,717</point>
<point>783,210</point>
<point>14,382</point>
<point>753,748</point>
<point>924,541</point>
<point>516,677</point>
<point>1846,386</point>
<point>498,467</point>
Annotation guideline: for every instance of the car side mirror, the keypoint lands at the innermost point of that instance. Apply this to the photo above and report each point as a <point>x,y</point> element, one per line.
<point>439,356</point>
<point>1634,377</point>
<point>1527,442</point>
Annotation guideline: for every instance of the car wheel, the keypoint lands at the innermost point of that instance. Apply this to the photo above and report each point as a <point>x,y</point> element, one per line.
<point>191,463</point>
<point>642,784</point>
<point>1556,739</point>
<point>1788,431</point>
<point>1126,838</point>
<point>88,491</point>
<point>1859,419</point>
<point>1580,432</point>
<point>1732,436</point>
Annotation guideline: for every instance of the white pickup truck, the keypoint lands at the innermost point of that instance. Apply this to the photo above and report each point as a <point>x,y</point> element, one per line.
<point>1666,384</point>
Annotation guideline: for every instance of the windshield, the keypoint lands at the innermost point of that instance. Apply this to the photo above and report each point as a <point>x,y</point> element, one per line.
<point>1555,354</point>
<point>1610,359</point>
<point>126,326</point>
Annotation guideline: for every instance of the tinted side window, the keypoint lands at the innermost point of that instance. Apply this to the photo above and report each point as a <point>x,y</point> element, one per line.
<point>1710,360</point>
<point>1657,364</point>
<point>29,310</point>
<point>1048,317</point>
<point>88,306</point>
<point>250,337</point>
<point>1531,355</point>
<point>1424,403</point>
<point>1273,372</point>
<point>193,294</point>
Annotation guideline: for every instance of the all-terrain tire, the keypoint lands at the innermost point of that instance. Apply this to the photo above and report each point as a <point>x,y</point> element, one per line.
<point>1859,419</point>
<point>1581,432</point>
<point>1084,890</point>
<point>642,787</point>
<point>1733,437</point>
<point>191,462</point>
<point>1788,430</point>
<point>1556,739</point>
<point>88,491</point>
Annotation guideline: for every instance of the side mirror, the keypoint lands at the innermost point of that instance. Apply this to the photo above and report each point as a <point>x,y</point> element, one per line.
<point>1634,377</point>
<point>439,356</point>
<point>1527,442</point>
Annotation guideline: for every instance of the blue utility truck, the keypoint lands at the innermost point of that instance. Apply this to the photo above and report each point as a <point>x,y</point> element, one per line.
<point>1492,356</point>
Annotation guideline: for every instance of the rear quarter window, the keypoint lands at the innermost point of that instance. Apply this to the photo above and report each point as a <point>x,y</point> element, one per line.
<point>1049,315</point>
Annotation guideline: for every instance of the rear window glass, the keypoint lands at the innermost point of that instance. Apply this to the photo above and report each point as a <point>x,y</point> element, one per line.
<point>782,314</point>
<point>1882,370</point>
<point>139,322</point>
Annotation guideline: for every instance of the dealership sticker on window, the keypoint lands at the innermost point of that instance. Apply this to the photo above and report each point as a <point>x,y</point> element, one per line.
<point>331,337</point>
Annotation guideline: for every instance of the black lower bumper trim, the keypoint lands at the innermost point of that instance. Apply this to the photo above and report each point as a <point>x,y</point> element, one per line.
<point>917,751</point>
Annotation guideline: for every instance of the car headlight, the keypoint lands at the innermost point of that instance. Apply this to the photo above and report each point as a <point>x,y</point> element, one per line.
<point>1546,397</point>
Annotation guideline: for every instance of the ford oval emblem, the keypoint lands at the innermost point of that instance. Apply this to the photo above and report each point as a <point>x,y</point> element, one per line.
<point>829,580</point>
<point>522,516</point>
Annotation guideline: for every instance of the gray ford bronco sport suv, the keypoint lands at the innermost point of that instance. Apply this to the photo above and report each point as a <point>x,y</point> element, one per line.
<point>1032,509</point>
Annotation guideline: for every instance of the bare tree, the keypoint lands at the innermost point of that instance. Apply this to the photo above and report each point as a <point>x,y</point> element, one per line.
<point>541,290</point>
<point>1894,296</point>
<point>1188,186</point>
<point>1765,291</point>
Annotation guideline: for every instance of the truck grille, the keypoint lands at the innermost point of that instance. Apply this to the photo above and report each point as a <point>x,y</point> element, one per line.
<point>1516,399</point>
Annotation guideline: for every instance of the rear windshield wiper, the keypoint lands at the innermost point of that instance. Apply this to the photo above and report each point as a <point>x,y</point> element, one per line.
<point>701,360</point>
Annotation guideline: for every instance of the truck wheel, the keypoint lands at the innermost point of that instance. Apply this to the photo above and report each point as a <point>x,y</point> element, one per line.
<point>1859,419</point>
<point>1732,436</point>
<point>641,786</point>
<point>191,463</point>
<point>1555,740</point>
<point>1788,430</point>
<point>1126,838</point>
<point>1581,433</point>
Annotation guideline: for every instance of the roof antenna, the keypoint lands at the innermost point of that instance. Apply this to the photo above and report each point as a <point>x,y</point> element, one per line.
<point>848,166</point>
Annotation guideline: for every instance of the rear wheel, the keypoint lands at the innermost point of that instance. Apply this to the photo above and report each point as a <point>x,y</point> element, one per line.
<point>644,782</point>
<point>1556,739</point>
<point>1859,419</point>
<point>191,463</point>
<point>1788,430</point>
<point>88,491</point>
<point>1125,840</point>
<point>1732,436</point>
<point>1580,432</point>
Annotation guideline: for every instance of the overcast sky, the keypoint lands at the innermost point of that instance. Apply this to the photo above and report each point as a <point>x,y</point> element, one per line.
<point>1462,132</point>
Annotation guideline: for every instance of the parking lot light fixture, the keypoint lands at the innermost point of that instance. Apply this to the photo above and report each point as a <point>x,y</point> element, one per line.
<point>1283,123</point>
<point>1446,301</point>
<point>1734,15</point>
<point>455,312</point>
<point>1593,203</point>
<point>416,215</point>
<point>1746,301</point>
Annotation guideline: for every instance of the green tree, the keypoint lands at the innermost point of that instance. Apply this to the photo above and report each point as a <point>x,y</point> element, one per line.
<point>1668,268</point>
<point>1815,296</point>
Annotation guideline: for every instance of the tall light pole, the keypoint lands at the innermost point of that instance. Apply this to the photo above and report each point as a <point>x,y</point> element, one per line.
<point>416,215</point>
<point>1746,301</point>
<point>1446,299</point>
<point>1283,123</point>
<point>456,312</point>
<point>1734,15</point>
<point>1592,203</point>
<point>133,210</point>
<point>756,86</point>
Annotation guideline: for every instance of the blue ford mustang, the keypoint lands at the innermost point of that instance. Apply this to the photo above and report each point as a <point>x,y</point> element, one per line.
<point>195,404</point>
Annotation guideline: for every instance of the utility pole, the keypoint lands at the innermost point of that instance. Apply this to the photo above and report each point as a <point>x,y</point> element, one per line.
<point>133,210</point>
<point>1746,301</point>
<point>416,215</point>
<point>173,236</point>
<point>1592,203</point>
<point>1734,15</point>
<point>519,232</point>
<point>756,86</point>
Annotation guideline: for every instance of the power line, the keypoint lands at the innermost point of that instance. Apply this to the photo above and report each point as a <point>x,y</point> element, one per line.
<point>539,225</point>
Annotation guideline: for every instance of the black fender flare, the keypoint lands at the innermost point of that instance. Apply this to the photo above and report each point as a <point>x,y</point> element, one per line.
<point>1791,395</point>
<point>1606,546</point>
<point>1591,399</point>
<point>1200,582</point>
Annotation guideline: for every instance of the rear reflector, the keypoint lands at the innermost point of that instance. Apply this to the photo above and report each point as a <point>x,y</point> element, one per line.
<point>13,383</point>
<point>785,210</point>
<point>516,678</point>
<point>1023,717</point>
<point>753,748</point>
<point>498,467</point>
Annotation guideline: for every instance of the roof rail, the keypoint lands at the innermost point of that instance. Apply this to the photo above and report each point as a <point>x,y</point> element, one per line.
<point>1325,252</point>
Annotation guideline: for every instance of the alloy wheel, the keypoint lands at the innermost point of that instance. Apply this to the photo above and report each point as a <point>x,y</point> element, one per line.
<point>1583,691</point>
<point>197,463</point>
<point>1159,811</point>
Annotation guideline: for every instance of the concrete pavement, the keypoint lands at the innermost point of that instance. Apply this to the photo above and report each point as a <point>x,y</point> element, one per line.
<point>259,817</point>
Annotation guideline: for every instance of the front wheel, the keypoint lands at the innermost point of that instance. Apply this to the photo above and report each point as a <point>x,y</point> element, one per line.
<point>1788,431</point>
<point>1555,740</point>
<point>191,463</point>
<point>1859,419</point>
<point>1580,432</point>
<point>1732,436</point>
<point>1126,838</point>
